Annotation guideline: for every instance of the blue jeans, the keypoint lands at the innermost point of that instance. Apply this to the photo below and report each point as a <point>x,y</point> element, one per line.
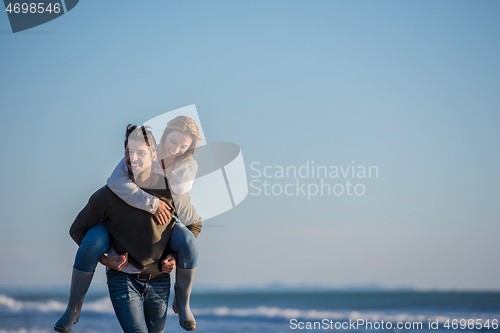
<point>96,242</point>
<point>141,306</point>
<point>183,242</point>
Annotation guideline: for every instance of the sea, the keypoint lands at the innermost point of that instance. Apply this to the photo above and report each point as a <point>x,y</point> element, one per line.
<point>30,311</point>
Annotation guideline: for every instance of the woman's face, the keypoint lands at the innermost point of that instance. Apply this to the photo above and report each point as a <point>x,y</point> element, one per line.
<point>176,144</point>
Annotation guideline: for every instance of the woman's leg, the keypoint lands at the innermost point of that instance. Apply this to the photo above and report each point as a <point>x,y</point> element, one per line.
<point>95,243</point>
<point>183,242</point>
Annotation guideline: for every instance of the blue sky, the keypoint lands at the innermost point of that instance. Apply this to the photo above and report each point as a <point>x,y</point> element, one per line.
<point>411,87</point>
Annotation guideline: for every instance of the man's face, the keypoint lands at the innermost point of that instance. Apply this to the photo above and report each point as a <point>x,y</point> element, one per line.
<point>138,157</point>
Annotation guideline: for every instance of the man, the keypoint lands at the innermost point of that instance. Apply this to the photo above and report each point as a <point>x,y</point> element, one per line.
<point>139,280</point>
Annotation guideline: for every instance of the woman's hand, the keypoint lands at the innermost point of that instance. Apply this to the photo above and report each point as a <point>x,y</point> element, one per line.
<point>168,264</point>
<point>117,263</point>
<point>162,213</point>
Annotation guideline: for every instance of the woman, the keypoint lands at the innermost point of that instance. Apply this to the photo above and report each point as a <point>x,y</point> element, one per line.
<point>177,146</point>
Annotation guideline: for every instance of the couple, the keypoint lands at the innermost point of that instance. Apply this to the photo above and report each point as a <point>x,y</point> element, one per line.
<point>134,220</point>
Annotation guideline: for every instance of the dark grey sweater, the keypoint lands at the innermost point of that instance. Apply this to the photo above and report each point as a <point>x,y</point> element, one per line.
<point>132,230</point>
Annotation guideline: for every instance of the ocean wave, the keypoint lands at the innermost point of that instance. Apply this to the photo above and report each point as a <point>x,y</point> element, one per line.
<point>275,312</point>
<point>8,304</point>
<point>11,305</point>
<point>22,330</point>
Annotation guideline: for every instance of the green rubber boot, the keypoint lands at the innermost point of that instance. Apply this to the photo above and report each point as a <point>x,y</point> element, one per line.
<point>183,285</point>
<point>80,282</point>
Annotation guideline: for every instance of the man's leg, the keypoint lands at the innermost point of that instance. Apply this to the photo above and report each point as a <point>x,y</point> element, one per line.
<point>156,303</point>
<point>126,295</point>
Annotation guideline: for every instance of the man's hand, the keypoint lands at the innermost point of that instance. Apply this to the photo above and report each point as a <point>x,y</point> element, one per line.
<point>116,263</point>
<point>162,213</point>
<point>168,264</point>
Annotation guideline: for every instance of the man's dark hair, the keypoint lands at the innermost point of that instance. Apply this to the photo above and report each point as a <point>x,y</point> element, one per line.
<point>140,133</point>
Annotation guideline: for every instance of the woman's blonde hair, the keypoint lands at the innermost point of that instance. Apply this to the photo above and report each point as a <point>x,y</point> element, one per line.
<point>186,126</point>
